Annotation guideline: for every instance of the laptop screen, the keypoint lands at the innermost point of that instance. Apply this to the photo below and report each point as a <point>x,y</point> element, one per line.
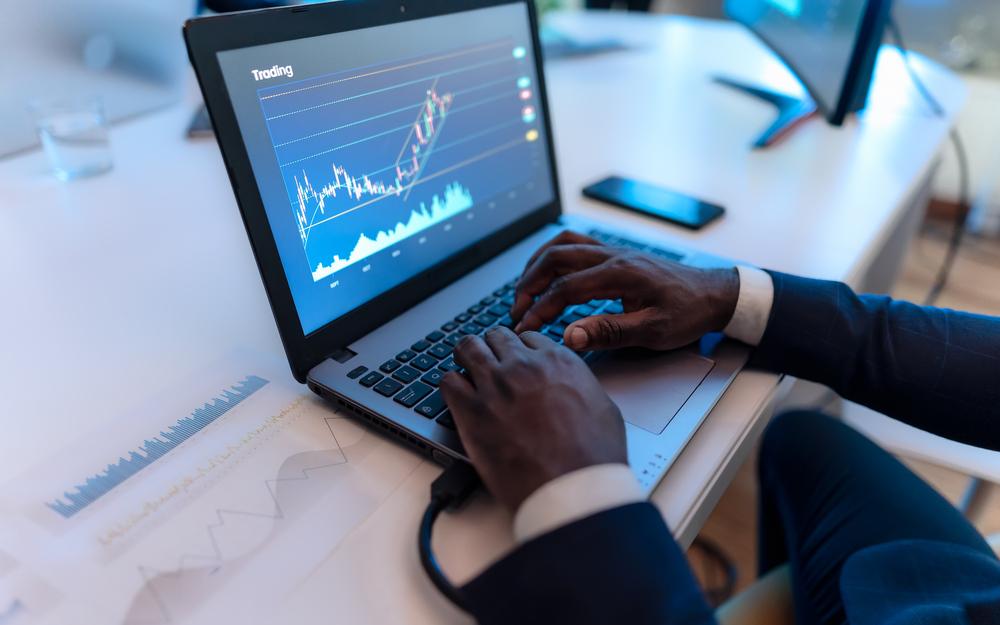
<point>380,152</point>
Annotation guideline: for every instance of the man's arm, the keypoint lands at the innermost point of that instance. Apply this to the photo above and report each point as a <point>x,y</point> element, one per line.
<point>550,444</point>
<point>936,369</point>
<point>617,566</point>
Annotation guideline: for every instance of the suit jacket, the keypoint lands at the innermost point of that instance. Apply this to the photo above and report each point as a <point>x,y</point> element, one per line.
<point>936,369</point>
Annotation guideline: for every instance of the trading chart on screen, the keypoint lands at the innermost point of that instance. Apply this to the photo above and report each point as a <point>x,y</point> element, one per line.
<point>374,155</point>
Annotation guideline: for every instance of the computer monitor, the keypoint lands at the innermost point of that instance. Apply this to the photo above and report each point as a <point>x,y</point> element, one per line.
<point>830,45</point>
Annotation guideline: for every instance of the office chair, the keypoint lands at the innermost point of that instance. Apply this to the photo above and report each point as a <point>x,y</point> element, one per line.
<point>768,601</point>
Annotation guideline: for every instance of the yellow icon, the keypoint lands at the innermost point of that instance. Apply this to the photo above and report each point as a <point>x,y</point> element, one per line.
<point>531,135</point>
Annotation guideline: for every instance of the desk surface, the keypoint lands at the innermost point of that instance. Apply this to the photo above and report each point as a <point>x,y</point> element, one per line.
<point>127,283</point>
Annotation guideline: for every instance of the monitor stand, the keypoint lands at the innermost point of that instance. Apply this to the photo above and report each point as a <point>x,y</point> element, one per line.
<point>792,111</point>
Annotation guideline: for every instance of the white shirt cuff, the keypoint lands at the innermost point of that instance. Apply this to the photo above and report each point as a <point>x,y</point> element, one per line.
<point>574,496</point>
<point>753,308</point>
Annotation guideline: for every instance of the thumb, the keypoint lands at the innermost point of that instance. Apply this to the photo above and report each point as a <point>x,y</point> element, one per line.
<point>607,331</point>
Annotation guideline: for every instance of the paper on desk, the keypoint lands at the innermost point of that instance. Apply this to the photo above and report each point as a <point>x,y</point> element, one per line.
<point>222,494</point>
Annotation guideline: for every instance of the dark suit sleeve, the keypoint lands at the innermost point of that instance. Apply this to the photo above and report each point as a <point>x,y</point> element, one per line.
<point>936,369</point>
<point>615,567</point>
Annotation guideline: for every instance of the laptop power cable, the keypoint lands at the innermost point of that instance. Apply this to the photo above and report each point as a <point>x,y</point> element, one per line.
<point>448,492</point>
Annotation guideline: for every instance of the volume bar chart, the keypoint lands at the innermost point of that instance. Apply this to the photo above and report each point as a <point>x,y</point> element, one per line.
<point>151,450</point>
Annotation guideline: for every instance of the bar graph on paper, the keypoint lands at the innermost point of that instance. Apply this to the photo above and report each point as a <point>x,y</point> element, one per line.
<point>95,486</point>
<point>374,155</point>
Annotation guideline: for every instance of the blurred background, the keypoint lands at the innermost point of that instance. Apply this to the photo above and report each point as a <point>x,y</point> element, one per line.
<point>110,60</point>
<point>962,34</point>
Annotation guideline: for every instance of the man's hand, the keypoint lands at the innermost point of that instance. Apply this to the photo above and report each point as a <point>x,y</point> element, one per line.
<point>528,412</point>
<point>667,304</point>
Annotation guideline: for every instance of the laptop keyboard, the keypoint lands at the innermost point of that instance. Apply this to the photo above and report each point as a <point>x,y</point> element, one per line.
<point>412,376</point>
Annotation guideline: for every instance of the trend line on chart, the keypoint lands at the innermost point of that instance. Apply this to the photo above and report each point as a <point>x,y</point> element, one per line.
<point>200,473</point>
<point>412,158</point>
<point>98,485</point>
<point>277,512</point>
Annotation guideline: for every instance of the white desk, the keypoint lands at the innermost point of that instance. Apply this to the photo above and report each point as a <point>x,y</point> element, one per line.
<point>129,282</point>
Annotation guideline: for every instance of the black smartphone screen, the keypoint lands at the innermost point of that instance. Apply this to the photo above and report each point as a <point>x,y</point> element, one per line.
<point>654,201</point>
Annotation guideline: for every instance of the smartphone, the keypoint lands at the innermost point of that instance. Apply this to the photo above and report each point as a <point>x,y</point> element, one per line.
<point>654,201</point>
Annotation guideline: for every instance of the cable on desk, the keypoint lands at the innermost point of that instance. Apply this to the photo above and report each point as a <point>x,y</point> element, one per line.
<point>962,216</point>
<point>716,595</point>
<point>449,490</point>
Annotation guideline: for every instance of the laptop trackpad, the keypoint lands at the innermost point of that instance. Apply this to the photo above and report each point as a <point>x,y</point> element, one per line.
<point>651,387</point>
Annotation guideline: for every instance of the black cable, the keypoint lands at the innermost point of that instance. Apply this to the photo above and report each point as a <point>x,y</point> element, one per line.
<point>904,51</point>
<point>449,490</point>
<point>962,216</point>
<point>961,223</point>
<point>717,595</point>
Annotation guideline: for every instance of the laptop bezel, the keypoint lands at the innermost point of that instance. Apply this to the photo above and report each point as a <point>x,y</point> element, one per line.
<point>207,36</point>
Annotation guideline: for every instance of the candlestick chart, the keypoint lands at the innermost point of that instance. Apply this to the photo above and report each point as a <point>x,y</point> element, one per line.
<point>376,154</point>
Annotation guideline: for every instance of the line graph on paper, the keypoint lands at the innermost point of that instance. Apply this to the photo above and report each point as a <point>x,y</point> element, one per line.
<point>374,155</point>
<point>266,484</point>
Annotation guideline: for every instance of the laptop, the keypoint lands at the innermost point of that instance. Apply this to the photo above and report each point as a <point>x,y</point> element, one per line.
<point>393,164</point>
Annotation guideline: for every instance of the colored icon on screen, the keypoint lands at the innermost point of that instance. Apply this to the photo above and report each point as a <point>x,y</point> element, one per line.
<point>520,52</point>
<point>528,114</point>
<point>523,82</point>
<point>531,135</point>
<point>792,8</point>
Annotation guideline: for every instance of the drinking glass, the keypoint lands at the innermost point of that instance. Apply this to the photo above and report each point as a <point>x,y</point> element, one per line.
<point>74,134</point>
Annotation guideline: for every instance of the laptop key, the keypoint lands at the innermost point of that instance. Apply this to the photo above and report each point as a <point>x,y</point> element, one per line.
<point>413,394</point>
<point>432,406</point>
<point>446,421</point>
<point>486,301</point>
<point>370,379</point>
<point>451,326</point>
<point>475,309</point>
<point>668,254</point>
<point>449,365</point>
<point>435,336</point>
<point>452,339</point>
<point>423,362</point>
<point>405,355</point>
<point>554,333</point>
<point>406,374</point>
<point>355,372</point>
<point>463,317</point>
<point>440,351</point>
<point>614,308</point>
<point>498,310</point>
<point>420,345</point>
<point>506,322</point>
<point>433,377</point>
<point>389,366</point>
<point>584,310</point>
<point>388,387</point>
<point>471,328</point>
<point>486,320</point>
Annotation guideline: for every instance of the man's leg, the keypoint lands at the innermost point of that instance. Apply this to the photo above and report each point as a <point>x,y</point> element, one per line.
<point>827,492</point>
